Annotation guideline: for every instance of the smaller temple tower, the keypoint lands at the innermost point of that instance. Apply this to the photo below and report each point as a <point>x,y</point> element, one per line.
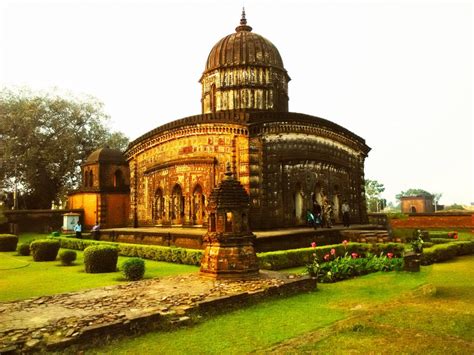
<point>105,191</point>
<point>229,251</point>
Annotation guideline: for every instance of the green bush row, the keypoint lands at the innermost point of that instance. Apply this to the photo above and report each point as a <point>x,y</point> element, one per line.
<point>284,259</point>
<point>442,240</point>
<point>152,252</point>
<point>443,252</point>
<point>8,242</point>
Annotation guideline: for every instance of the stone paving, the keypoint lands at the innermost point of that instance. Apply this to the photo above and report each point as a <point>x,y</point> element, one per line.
<point>38,323</point>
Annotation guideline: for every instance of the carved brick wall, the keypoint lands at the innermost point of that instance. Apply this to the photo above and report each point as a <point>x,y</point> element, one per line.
<point>285,161</point>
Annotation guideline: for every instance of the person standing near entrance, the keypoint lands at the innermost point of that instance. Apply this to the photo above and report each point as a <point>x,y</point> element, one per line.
<point>345,209</point>
<point>78,230</point>
<point>96,231</point>
<point>327,213</point>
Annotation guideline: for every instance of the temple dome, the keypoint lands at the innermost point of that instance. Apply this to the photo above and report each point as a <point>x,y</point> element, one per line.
<point>244,71</point>
<point>243,48</point>
<point>106,155</point>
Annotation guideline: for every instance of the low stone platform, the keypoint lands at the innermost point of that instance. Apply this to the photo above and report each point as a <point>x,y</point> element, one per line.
<point>192,237</point>
<point>56,322</point>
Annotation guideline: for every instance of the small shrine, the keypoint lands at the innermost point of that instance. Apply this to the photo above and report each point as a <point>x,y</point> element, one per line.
<point>229,243</point>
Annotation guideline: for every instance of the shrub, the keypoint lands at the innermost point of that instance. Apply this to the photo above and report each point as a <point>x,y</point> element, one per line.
<point>100,258</point>
<point>341,268</point>
<point>152,252</point>
<point>283,259</point>
<point>133,269</point>
<point>44,249</point>
<point>56,234</point>
<point>23,249</point>
<point>8,242</point>
<point>443,252</point>
<point>67,257</point>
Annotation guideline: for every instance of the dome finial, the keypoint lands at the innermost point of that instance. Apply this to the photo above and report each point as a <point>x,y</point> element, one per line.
<point>243,23</point>
<point>243,20</point>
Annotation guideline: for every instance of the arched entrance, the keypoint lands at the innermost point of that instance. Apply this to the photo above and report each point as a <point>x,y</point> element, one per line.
<point>158,207</point>
<point>299,205</point>
<point>412,209</point>
<point>177,205</point>
<point>198,206</point>
<point>336,205</point>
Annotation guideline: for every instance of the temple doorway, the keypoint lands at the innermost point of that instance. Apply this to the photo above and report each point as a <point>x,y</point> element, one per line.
<point>198,206</point>
<point>177,205</point>
<point>158,210</point>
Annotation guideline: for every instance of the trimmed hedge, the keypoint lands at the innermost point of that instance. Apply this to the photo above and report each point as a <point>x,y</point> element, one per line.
<point>8,242</point>
<point>152,252</point>
<point>274,260</point>
<point>439,234</point>
<point>443,252</point>
<point>67,257</point>
<point>24,249</point>
<point>100,258</point>
<point>44,249</point>
<point>442,240</point>
<point>284,259</point>
<point>133,269</point>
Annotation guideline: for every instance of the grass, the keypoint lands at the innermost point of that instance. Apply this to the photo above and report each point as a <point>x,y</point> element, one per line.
<point>21,277</point>
<point>377,313</point>
<point>439,323</point>
<point>261,326</point>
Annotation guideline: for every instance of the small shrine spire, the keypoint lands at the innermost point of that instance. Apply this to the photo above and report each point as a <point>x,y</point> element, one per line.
<point>243,23</point>
<point>228,172</point>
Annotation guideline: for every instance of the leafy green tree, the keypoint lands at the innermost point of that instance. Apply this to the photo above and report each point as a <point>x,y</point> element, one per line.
<point>454,207</point>
<point>373,191</point>
<point>413,192</point>
<point>45,138</point>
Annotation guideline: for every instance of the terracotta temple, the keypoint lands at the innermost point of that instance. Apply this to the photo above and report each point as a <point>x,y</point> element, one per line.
<point>285,161</point>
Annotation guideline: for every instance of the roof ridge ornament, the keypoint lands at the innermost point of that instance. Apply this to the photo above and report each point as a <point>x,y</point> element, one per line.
<point>243,23</point>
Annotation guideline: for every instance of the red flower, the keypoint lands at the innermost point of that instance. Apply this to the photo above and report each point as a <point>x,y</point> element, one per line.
<point>333,251</point>
<point>313,245</point>
<point>455,236</point>
<point>326,257</point>
<point>390,255</point>
<point>345,242</point>
<point>354,255</point>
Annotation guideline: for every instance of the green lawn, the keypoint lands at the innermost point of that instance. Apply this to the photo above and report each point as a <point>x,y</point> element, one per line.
<point>440,323</point>
<point>21,277</point>
<point>261,327</point>
<point>377,313</point>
